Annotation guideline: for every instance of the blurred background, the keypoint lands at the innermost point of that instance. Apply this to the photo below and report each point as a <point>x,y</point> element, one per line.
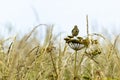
<point>20,16</point>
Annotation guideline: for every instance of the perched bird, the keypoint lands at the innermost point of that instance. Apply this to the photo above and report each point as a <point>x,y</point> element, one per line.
<point>75,31</point>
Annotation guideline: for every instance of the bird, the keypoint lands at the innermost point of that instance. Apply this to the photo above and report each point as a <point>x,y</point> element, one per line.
<point>75,31</point>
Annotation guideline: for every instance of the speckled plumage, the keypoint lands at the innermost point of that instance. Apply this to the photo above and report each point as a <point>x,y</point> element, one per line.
<point>75,31</point>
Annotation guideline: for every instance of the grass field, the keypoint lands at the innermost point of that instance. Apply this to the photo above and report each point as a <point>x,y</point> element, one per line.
<point>28,59</point>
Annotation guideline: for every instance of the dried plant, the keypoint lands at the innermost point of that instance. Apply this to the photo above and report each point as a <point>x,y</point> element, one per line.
<point>93,56</point>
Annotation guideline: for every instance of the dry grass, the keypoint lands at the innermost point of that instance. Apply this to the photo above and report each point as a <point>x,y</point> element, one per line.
<point>27,59</point>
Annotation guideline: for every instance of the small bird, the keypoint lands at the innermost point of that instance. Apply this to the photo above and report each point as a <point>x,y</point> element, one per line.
<point>75,31</point>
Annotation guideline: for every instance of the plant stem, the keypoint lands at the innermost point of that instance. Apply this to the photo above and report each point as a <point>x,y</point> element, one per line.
<point>75,65</point>
<point>53,64</point>
<point>87,25</point>
<point>79,65</point>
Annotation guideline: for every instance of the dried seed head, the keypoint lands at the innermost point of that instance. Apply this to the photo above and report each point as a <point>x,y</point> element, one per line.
<point>70,36</point>
<point>67,39</point>
<point>94,41</point>
<point>75,44</point>
<point>93,50</point>
<point>80,39</point>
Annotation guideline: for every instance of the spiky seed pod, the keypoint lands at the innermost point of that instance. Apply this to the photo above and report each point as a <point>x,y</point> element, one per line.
<point>67,39</point>
<point>70,36</point>
<point>80,39</point>
<point>75,31</point>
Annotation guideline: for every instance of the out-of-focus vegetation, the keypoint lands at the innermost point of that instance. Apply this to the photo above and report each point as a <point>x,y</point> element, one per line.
<point>28,59</point>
